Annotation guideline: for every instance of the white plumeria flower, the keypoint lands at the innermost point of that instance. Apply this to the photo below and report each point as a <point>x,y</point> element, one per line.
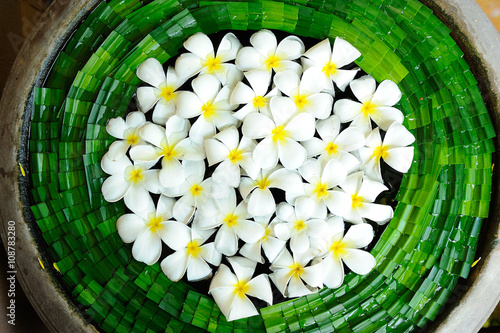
<point>257,194</point>
<point>362,192</point>
<point>375,105</point>
<point>132,182</point>
<point>322,178</point>
<point>162,95</point>
<point>267,54</point>
<point>226,148</point>
<point>256,97</point>
<point>230,291</point>
<point>234,225</point>
<point>293,277</point>
<point>210,103</point>
<point>191,255</point>
<point>197,193</point>
<point>149,227</point>
<point>340,248</point>
<point>280,134</point>
<point>334,144</point>
<point>170,144</point>
<point>126,130</point>
<point>202,58</point>
<point>305,92</point>
<point>330,61</point>
<point>393,150</point>
<point>271,245</point>
<point>299,226</point>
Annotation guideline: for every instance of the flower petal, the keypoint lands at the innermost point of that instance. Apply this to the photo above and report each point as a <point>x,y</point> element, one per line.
<point>163,111</point>
<point>225,298</point>
<point>260,287</point>
<point>183,210</point>
<point>360,262</point>
<point>266,152</point>
<point>363,88</point>
<point>150,181</point>
<point>136,197</point>
<point>252,252</point>
<point>188,104</point>
<point>199,44</point>
<point>206,87</point>
<point>359,236</point>
<point>129,227</point>
<point>151,71</point>
<point>282,109</point>
<point>376,212</point>
<point>346,109</point>
<point>117,150</point>
<point>387,94</point>
<point>343,77</point>
<point>320,53</point>
<point>174,266</point>
<point>333,174</point>
<point>228,47</point>
<point>187,65</point>
<point>299,242</point>
<point>351,138</point>
<point>242,94</point>
<point>246,186</point>
<point>272,247</point>
<point>314,146</point>
<point>301,127</point>
<point>335,226</point>
<point>292,47</point>
<point>311,170</point>
<point>145,153</point>
<point>261,202</point>
<point>280,279</point>
<point>264,41</point>
<point>291,154</point>
<point>257,126</point>
<point>172,173</point>
<point>249,231</point>
<point>286,180</point>
<point>287,82</point>
<point>243,267</point>
<point>304,208</point>
<point>223,278</point>
<point>333,272</point>
<point>175,234</point>
<point>215,150</point>
<point>201,130</point>
<point>114,188</point>
<point>320,105</point>
<point>116,127</point>
<point>226,241</point>
<point>147,247</point>
<point>297,288</point>
<point>400,159</point>
<point>227,173</point>
<point>209,253</point>
<point>370,189</point>
<point>165,207</point>
<point>343,53</point>
<point>242,308</point>
<point>153,134</point>
<point>259,81</point>
<point>198,269</point>
<point>398,136</point>
<point>313,275</point>
<point>352,184</point>
<point>384,117</point>
<point>338,202</point>
<point>249,58</point>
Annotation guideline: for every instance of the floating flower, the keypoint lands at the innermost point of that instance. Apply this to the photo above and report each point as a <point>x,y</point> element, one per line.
<point>305,92</point>
<point>330,61</point>
<point>393,150</point>
<point>162,95</point>
<point>226,148</point>
<point>210,103</point>
<point>375,105</point>
<point>257,194</point>
<point>149,227</point>
<point>333,144</point>
<point>169,144</point>
<point>203,60</point>
<point>230,291</point>
<point>293,277</point>
<point>132,182</point>
<point>271,245</point>
<point>280,134</point>
<point>322,179</point>
<point>191,255</point>
<point>256,97</point>
<point>267,54</point>
<point>128,131</point>
<point>234,225</point>
<point>299,226</point>
<point>340,248</point>
<point>363,191</point>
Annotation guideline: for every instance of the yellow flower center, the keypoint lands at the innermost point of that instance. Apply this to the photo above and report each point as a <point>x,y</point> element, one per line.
<point>132,138</point>
<point>299,225</point>
<point>167,93</point>
<point>241,288</point>
<point>329,68</point>
<point>272,62</point>
<point>154,223</point>
<point>193,249</point>
<point>263,183</point>
<point>296,269</point>
<point>356,200</point>
<point>321,191</point>
<point>279,134</point>
<point>331,148</point>
<point>267,232</point>
<point>235,155</point>
<point>212,64</point>
<point>196,190</point>
<point>300,101</point>
<point>368,108</point>
<point>135,175</point>
<point>208,110</point>
<point>259,102</point>
<point>169,152</point>
<point>231,220</point>
<point>380,152</point>
<point>338,248</point>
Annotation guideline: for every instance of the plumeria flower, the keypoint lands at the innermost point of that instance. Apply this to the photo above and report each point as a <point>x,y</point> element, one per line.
<point>340,248</point>
<point>393,150</point>
<point>126,130</point>
<point>305,92</point>
<point>227,149</point>
<point>210,103</point>
<point>234,225</point>
<point>292,275</point>
<point>330,61</point>
<point>375,105</point>
<point>298,225</point>
<point>191,255</point>
<point>322,178</point>
<point>363,191</point>
<point>202,58</point>
<point>132,182</point>
<point>257,194</point>
<point>170,144</point>
<point>267,54</point>
<point>196,193</point>
<point>280,134</point>
<point>162,95</point>
<point>271,245</point>
<point>230,290</point>
<point>149,227</point>
<point>334,144</point>
<point>256,97</point>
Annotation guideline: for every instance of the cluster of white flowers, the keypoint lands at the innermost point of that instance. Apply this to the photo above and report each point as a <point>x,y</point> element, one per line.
<point>266,121</point>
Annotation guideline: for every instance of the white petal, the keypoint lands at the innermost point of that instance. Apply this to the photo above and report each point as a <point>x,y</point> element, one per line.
<point>349,161</point>
<point>320,105</point>
<point>175,234</point>
<point>209,208</point>
<point>259,81</point>
<point>287,82</point>
<point>117,150</point>
<point>151,71</point>
<point>224,297</point>
<point>310,83</point>
<point>261,288</point>
<point>249,58</point>
<point>285,179</point>
<point>328,128</point>
<point>116,127</point>
<point>151,181</point>
<point>222,279</point>
<point>163,111</point>
<point>153,134</point>
<point>245,111</point>
<point>228,47</point>
<point>183,210</point>
<point>129,226</point>
<point>172,173</point>
<point>188,104</point>
<point>338,202</point>
<point>165,207</point>
<point>343,77</point>
<point>370,189</point>
<point>292,47</point>
<point>246,186</point>
<point>280,279</point>
<point>257,126</point>
<point>252,252</point>
<point>201,130</point>
<point>187,65</point>
<point>299,242</point>
<point>227,173</point>
<point>333,174</point>
<point>198,270</point>
<point>249,165</point>
<point>398,136</point>
<point>145,153</point>
<point>359,235</point>
<point>266,152</point>
<point>249,231</point>
<point>229,75</point>
<point>384,117</point>
<point>114,188</point>
<point>147,247</point>
<point>215,150</point>
<point>350,139</point>
<point>242,308</point>
<point>296,288</point>
<point>261,202</point>
<point>272,247</point>
<point>282,109</point>
<point>312,275</point>
<point>335,226</point>
<point>333,272</point>
<point>206,87</point>
<point>242,94</point>
<point>243,267</point>
<point>400,159</point>
<point>174,266</point>
<point>320,53</point>
<point>226,241</point>
<point>291,154</point>
<point>283,230</point>
<point>347,110</point>
<point>285,211</point>
<point>209,253</point>
<point>387,94</point>
<point>376,212</point>
<point>311,170</point>
<point>147,97</point>
<point>304,208</point>
<point>363,88</point>
<point>314,146</point>
<point>343,53</point>
<point>360,262</point>
<point>136,197</point>
<point>199,44</point>
<point>135,119</point>
<point>301,127</point>
<point>363,122</point>
<point>264,41</point>
<point>352,183</point>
